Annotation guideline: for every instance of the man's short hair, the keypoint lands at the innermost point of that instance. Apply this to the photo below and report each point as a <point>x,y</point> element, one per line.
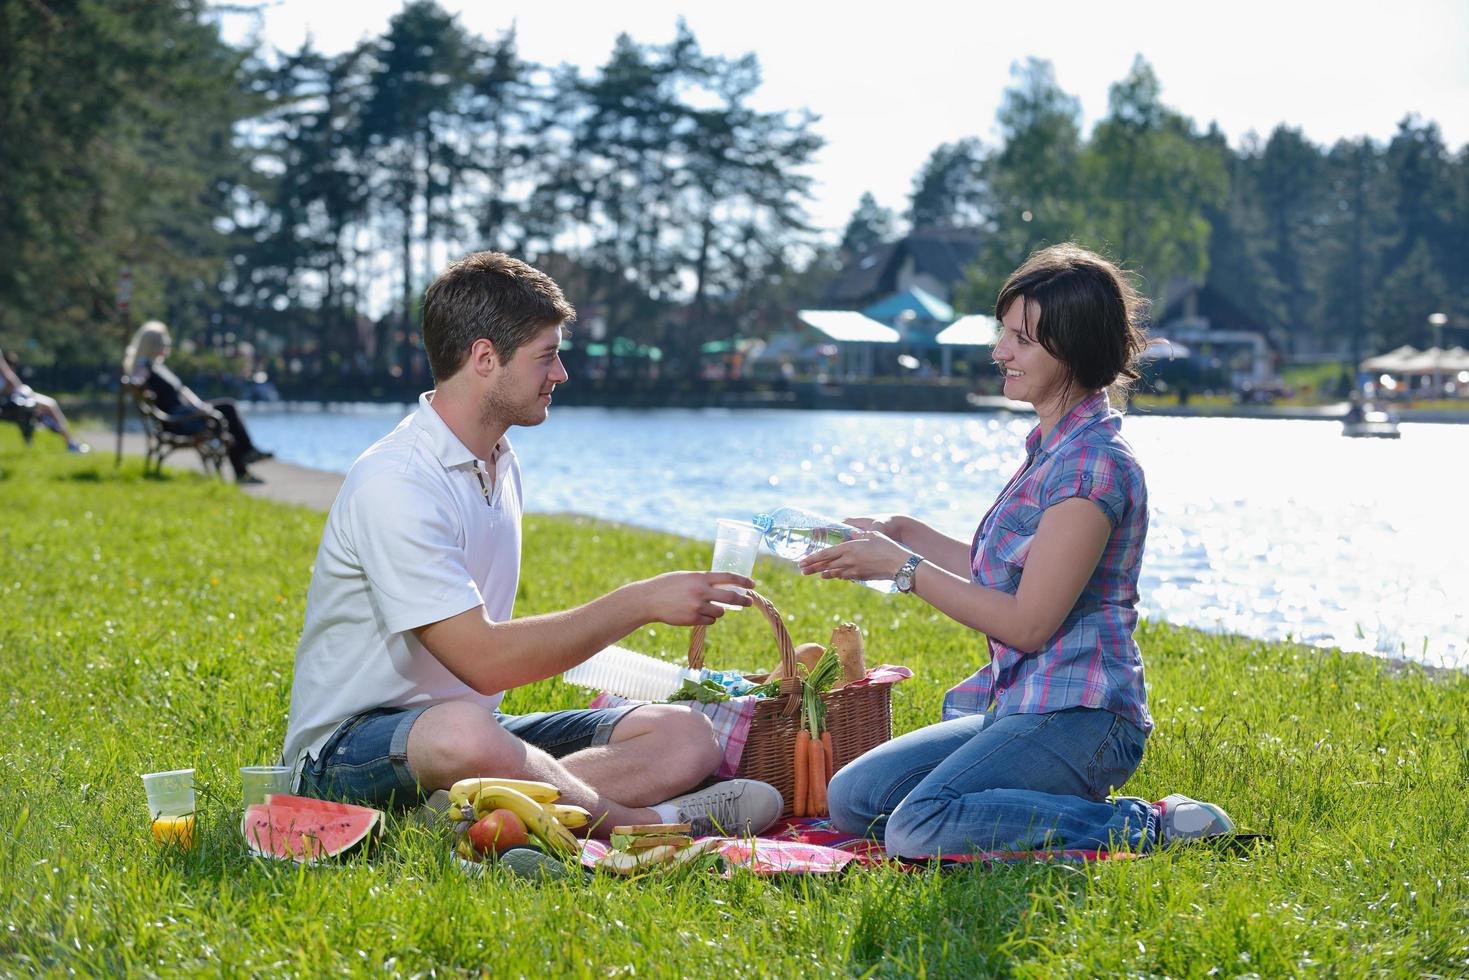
<point>487,296</point>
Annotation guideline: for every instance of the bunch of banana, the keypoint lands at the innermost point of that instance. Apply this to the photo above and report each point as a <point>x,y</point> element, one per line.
<point>534,803</point>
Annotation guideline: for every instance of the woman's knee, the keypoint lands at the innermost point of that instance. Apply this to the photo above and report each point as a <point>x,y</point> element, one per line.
<point>854,797</point>
<point>909,831</point>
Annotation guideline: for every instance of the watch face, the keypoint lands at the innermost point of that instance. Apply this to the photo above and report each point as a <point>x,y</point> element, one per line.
<point>904,578</point>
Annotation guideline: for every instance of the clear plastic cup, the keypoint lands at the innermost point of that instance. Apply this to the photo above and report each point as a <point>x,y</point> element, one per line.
<point>258,782</point>
<point>736,543</point>
<point>630,674</point>
<point>171,805</point>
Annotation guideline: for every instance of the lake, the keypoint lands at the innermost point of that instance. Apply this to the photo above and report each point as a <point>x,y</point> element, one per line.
<point>1273,529</point>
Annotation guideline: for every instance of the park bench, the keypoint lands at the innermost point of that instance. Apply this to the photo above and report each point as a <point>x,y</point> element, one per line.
<point>203,432</point>
<point>21,411</point>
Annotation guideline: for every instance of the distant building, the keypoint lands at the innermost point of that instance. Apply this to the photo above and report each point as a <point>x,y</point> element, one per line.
<point>1218,333</point>
<point>930,259</point>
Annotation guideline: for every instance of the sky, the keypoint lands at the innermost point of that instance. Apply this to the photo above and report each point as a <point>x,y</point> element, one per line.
<point>893,81</point>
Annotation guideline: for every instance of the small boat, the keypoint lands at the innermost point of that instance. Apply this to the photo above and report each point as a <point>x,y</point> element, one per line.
<point>1370,425</point>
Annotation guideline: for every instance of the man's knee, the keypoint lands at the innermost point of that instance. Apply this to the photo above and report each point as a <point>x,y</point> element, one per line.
<point>688,733</point>
<point>457,739</point>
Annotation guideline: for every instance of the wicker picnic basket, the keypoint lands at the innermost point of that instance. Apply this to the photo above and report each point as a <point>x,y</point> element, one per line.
<point>859,718</point>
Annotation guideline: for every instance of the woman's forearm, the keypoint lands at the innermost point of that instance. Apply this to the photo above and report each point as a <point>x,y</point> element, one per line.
<point>992,612</point>
<point>1063,554</point>
<point>950,554</point>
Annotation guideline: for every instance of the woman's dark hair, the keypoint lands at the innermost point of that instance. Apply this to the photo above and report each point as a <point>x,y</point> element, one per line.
<point>1091,316</point>
<point>487,296</point>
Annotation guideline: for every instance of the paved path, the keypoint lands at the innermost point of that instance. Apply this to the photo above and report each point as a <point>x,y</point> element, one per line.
<point>284,482</point>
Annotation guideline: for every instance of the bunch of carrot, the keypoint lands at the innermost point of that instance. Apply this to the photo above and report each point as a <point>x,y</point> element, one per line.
<point>813,754</point>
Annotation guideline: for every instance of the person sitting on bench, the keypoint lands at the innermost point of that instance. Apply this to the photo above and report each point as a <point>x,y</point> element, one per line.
<point>143,365</point>
<point>47,412</point>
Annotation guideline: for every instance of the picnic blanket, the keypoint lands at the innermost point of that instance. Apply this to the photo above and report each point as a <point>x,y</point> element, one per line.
<point>811,845</point>
<point>731,719</point>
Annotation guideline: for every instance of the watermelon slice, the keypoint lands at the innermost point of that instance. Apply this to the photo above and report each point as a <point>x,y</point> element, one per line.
<point>309,803</point>
<point>304,830</point>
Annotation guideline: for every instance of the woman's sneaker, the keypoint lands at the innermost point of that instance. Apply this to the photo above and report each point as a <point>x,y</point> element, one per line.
<point>734,808</point>
<point>1183,819</point>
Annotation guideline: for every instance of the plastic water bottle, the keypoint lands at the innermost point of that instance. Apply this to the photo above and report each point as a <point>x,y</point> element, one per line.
<point>793,534</point>
<point>629,674</point>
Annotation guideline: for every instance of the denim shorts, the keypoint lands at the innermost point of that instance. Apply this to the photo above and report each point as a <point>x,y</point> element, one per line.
<point>366,759</point>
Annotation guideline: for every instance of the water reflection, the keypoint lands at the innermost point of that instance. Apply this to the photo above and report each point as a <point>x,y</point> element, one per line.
<point>1271,529</point>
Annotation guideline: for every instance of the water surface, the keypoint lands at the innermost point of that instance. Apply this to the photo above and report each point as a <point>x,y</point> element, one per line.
<point>1273,529</point>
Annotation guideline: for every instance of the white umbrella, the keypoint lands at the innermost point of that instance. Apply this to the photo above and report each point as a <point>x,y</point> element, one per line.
<point>1160,347</point>
<point>1392,362</point>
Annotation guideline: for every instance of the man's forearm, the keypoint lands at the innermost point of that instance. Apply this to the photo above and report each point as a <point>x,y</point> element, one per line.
<point>492,657</point>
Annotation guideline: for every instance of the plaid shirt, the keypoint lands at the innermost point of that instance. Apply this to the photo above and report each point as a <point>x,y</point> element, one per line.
<point>1092,661</point>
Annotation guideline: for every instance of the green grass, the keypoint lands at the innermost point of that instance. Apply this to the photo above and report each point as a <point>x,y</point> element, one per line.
<point>150,623</point>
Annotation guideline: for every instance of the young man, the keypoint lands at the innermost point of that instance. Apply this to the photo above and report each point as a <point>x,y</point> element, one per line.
<point>409,643</point>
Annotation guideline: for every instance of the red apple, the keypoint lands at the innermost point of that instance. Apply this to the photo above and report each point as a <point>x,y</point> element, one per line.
<point>497,831</point>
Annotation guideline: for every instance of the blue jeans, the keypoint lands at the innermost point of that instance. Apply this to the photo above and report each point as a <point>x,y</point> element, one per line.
<point>1018,782</point>
<point>366,759</point>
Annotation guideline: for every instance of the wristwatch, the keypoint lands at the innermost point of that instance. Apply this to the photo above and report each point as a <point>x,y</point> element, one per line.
<point>904,577</point>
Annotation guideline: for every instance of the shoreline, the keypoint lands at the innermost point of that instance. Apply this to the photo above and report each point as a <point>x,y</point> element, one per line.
<point>858,397</point>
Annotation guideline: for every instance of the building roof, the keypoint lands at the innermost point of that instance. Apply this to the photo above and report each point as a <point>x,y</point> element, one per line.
<point>939,253</point>
<point>1210,302</point>
<point>921,303</point>
<point>848,326</point>
<point>975,330</point>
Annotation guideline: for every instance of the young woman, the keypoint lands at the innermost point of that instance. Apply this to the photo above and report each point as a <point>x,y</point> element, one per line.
<point>1032,744</point>
<point>143,363</point>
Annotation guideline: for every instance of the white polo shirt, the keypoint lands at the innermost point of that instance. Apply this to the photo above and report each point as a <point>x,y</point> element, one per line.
<point>417,534</point>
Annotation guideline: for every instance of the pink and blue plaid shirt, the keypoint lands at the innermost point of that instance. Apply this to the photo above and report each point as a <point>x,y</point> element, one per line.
<point>1093,660</point>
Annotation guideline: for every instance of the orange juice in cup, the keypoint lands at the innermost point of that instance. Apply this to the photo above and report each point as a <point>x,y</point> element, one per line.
<point>174,830</point>
<point>171,806</point>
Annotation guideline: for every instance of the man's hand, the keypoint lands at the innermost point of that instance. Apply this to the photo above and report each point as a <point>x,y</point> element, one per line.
<point>688,598</point>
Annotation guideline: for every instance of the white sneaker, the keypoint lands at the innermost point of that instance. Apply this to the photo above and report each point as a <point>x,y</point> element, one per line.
<point>1182,818</point>
<point>734,808</point>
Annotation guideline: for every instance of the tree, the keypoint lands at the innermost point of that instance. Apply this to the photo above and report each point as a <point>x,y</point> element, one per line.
<point>503,110</point>
<point>117,152</point>
<point>1418,168</point>
<point>312,202</point>
<point>949,190</point>
<point>1150,176</point>
<point>1408,294</point>
<point>1289,182</point>
<point>870,225</point>
<point>410,124</point>
<point>1031,182</point>
<point>1358,230</point>
<point>675,185</point>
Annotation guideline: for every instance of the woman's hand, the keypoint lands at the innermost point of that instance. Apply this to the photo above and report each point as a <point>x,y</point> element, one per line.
<point>872,556</point>
<point>889,524</point>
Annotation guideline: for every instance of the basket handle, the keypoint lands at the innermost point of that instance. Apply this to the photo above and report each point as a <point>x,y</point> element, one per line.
<point>777,626</point>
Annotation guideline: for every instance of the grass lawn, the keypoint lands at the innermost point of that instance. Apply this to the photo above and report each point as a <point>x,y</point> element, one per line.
<point>150,624</point>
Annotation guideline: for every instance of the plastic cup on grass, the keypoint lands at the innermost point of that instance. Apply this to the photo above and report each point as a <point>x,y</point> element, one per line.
<point>171,805</point>
<point>258,782</point>
<point>736,543</point>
